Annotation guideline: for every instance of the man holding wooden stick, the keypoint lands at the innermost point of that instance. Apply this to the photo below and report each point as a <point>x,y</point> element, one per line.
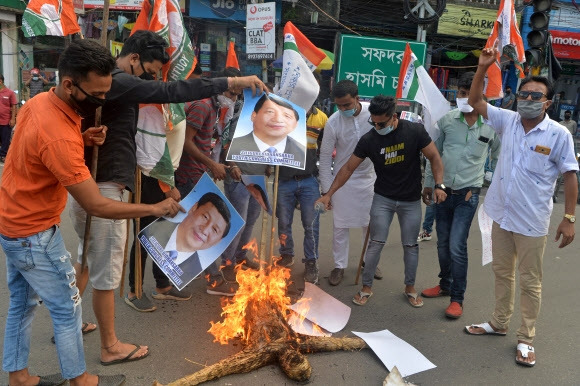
<point>140,60</point>
<point>47,160</point>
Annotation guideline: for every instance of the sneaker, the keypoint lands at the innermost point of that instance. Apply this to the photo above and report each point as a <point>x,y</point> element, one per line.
<point>141,305</point>
<point>285,261</point>
<point>434,292</point>
<point>229,273</point>
<point>311,271</point>
<point>252,263</point>
<point>424,236</point>
<point>172,294</point>
<point>222,287</point>
<point>336,276</point>
<point>378,274</point>
<point>454,311</point>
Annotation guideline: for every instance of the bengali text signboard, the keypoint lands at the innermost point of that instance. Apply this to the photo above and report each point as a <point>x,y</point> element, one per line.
<point>374,63</point>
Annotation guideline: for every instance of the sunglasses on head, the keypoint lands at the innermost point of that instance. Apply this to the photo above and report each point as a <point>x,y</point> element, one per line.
<point>380,125</point>
<point>536,95</point>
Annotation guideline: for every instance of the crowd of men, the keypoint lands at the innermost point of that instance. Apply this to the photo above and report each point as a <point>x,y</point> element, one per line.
<point>377,158</point>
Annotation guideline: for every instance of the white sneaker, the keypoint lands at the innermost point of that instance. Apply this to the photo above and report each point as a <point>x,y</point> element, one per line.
<point>424,236</point>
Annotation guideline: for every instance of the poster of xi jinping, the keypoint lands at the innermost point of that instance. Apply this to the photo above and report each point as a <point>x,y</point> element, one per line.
<point>183,246</point>
<point>271,130</point>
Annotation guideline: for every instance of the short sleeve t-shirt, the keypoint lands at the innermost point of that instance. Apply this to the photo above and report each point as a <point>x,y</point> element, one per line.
<point>7,100</point>
<point>397,161</point>
<point>46,155</point>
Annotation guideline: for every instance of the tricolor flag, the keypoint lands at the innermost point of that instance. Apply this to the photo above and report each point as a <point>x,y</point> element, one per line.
<point>153,153</point>
<point>49,17</point>
<point>232,59</point>
<point>416,84</point>
<point>300,58</point>
<point>506,34</point>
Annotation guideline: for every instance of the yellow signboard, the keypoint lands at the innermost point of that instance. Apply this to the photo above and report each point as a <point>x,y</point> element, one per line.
<point>116,48</point>
<point>460,20</point>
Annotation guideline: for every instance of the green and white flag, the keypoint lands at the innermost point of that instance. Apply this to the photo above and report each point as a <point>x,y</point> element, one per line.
<point>49,17</point>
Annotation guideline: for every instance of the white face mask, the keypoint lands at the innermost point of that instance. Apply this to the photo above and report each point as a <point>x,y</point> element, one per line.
<point>463,106</point>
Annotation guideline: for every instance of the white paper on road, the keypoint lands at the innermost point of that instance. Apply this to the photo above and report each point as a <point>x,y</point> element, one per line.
<point>485,224</point>
<point>322,309</point>
<point>305,326</point>
<point>394,351</point>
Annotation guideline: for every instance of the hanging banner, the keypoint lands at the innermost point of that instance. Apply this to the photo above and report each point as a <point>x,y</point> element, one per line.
<point>260,31</point>
<point>461,20</point>
<point>566,44</point>
<point>126,5</point>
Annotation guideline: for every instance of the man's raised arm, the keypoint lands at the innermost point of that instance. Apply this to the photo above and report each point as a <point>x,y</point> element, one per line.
<point>486,59</point>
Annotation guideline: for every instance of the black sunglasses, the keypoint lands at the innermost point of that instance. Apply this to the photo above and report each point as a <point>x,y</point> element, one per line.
<point>381,125</point>
<point>536,95</point>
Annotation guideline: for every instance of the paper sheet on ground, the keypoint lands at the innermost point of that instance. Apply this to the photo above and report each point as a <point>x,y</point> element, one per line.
<point>322,309</point>
<point>393,351</point>
<point>485,223</point>
<point>305,326</point>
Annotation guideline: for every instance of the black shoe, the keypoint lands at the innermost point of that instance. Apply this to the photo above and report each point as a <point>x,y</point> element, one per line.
<point>311,271</point>
<point>285,261</point>
<point>51,380</point>
<point>252,263</point>
<point>336,276</point>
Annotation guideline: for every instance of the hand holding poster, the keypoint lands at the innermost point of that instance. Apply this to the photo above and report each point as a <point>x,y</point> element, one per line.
<point>271,130</point>
<point>256,185</point>
<point>185,245</point>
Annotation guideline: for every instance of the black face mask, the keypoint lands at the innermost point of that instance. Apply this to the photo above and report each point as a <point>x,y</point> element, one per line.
<point>145,75</point>
<point>87,106</point>
<point>566,117</point>
<point>508,92</point>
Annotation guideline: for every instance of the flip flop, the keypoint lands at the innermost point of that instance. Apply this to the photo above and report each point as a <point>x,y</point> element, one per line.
<point>83,329</point>
<point>111,380</point>
<point>128,358</point>
<point>363,298</point>
<point>486,327</point>
<point>525,349</point>
<point>414,296</point>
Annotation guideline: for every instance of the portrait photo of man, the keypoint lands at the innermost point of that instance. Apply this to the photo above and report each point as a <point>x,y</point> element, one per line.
<point>271,130</point>
<point>183,248</point>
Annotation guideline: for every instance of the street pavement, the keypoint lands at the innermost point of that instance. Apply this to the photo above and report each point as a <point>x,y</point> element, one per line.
<point>177,336</point>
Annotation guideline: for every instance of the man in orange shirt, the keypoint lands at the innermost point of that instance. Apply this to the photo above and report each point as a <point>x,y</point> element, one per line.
<point>46,162</point>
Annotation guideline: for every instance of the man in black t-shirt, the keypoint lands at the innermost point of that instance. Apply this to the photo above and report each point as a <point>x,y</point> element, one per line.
<point>394,147</point>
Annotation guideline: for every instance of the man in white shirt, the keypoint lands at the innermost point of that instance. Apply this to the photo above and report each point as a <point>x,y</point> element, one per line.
<point>534,149</point>
<point>351,204</point>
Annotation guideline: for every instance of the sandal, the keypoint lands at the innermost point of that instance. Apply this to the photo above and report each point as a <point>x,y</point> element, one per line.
<point>363,298</point>
<point>486,327</point>
<point>413,296</point>
<point>525,349</point>
<point>85,330</point>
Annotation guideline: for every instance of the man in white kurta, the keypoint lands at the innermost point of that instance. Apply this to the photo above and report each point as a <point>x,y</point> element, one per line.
<point>352,203</point>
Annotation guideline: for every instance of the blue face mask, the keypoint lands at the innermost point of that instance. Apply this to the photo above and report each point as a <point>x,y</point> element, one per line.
<point>385,130</point>
<point>348,113</point>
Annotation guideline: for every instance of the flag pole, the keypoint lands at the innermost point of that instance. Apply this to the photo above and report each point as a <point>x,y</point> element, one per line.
<point>95,156</point>
<point>274,205</point>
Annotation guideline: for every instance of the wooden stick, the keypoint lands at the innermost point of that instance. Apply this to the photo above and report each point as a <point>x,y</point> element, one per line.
<point>138,267</point>
<point>362,255</point>
<point>274,205</point>
<point>263,239</point>
<point>125,254</point>
<point>95,157</point>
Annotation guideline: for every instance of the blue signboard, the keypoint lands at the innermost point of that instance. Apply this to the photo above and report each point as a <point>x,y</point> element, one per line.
<point>225,9</point>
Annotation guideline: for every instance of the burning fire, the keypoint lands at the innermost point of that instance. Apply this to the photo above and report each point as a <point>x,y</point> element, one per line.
<point>259,292</point>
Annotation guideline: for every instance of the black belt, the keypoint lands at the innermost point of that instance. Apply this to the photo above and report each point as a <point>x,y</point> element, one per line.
<point>462,191</point>
<point>298,177</point>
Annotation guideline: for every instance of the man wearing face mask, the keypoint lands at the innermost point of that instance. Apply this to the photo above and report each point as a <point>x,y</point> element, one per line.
<point>141,58</point>
<point>534,149</point>
<point>394,147</point>
<point>508,100</point>
<point>463,143</point>
<point>36,82</point>
<point>568,123</point>
<point>342,132</point>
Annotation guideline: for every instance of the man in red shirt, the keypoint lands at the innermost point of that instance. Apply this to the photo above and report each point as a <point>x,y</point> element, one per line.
<point>46,162</point>
<point>8,104</point>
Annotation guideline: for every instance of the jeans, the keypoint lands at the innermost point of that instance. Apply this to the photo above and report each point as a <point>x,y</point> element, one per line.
<point>306,191</point>
<point>5,138</point>
<point>39,267</point>
<point>249,208</point>
<point>454,216</point>
<point>383,210</point>
<point>429,218</point>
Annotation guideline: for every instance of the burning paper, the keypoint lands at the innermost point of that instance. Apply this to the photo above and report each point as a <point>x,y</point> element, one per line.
<point>319,307</point>
<point>394,351</point>
<point>304,326</point>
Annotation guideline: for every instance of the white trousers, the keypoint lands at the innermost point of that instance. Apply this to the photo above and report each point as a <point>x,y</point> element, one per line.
<point>340,245</point>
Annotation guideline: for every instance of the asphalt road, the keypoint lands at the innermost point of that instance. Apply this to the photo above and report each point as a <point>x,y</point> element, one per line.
<point>180,345</point>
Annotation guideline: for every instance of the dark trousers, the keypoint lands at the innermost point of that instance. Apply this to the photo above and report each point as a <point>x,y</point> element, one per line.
<point>5,135</point>
<point>151,193</point>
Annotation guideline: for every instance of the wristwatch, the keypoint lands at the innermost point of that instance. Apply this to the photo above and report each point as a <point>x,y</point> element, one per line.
<point>570,217</point>
<point>440,186</point>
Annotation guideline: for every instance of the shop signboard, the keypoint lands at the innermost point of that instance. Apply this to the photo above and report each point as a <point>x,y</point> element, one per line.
<point>79,6</point>
<point>566,44</point>
<point>374,63</point>
<point>205,57</point>
<point>225,9</point>
<point>261,31</point>
<point>123,5</point>
<point>461,20</point>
